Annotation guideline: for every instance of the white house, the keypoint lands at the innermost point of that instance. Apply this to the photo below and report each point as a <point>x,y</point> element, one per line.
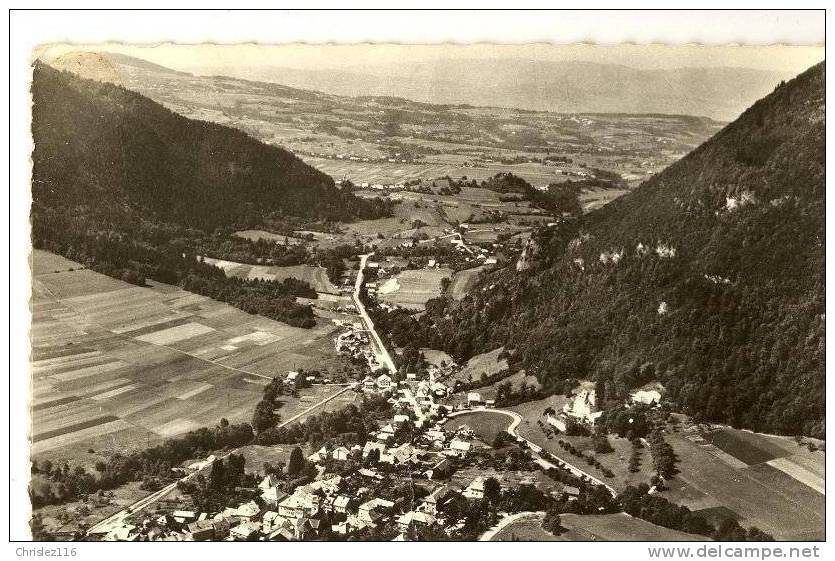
<point>475,490</point>
<point>406,521</point>
<point>383,382</point>
<point>459,448</point>
<point>318,456</point>
<point>647,397</point>
<point>341,454</point>
<point>583,407</point>
<point>341,503</point>
<point>272,496</point>
<point>299,505</point>
<point>558,421</point>
<point>431,502</point>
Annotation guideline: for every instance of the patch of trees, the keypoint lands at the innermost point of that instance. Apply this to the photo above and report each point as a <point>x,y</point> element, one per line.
<point>552,523</point>
<point>626,421</point>
<point>137,250</point>
<point>663,456</point>
<point>272,299</point>
<point>54,484</point>
<point>333,260</point>
<point>600,443</point>
<point>227,484</point>
<point>349,425</point>
<point>222,244</point>
<point>656,509</point>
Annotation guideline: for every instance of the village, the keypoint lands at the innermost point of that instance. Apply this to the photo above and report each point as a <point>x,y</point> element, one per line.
<point>402,482</point>
<point>417,471</point>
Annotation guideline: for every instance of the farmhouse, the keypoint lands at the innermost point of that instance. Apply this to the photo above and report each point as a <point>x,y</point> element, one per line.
<point>383,382</point>
<point>245,531</point>
<point>208,530</point>
<point>475,490</point>
<point>341,454</point>
<point>435,498</point>
<point>370,511</point>
<point>369,446</point>
<point>299,505</point>
<point>411,518</point>
<point>459,448</point>
<point>473,399</point>
<point>273,496</point>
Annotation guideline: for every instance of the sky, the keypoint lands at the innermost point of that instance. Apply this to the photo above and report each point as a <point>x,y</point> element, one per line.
<point>204,57</point>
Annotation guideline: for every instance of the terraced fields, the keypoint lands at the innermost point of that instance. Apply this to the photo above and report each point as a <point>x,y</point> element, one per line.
<point>766,481</point>
<point>116,366</point>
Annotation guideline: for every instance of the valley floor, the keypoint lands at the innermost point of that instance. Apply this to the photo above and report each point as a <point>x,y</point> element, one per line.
<point>118,367</point>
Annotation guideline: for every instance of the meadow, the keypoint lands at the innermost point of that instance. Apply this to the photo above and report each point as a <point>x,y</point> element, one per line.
<point>412,288</point>
<point>486,424</point>
<point>117,367</point>
<point>766,481</point>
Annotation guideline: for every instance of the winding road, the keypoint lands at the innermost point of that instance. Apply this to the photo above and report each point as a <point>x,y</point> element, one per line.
<point>536,449</point>
<point>507,520</point>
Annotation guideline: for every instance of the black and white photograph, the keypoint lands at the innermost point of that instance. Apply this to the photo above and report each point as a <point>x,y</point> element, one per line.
<point>403,291</point>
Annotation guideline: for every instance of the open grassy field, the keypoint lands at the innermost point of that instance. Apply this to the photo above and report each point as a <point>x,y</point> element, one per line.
<point>388,172</point>
<point>412,288</point>
<point>70,517</point>
<point>508,478</point>
<point>593,199</point>
<point>486,424</point>
<point>515,380</point>
<point>435,357</point>
<point>782,495</point>
<point>485,363</point>
<point>463,282</point>
<point>617,527</point>
<point>527,529</point>
<point>117,367</point>
<point>316,277</point>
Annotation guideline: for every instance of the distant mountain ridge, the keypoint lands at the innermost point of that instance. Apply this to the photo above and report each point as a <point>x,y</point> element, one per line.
<point>708,278</point>
<point>562,87</point>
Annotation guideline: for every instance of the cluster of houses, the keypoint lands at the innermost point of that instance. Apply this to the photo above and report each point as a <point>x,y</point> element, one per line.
<point>355,344</point>
<point>332,499</point>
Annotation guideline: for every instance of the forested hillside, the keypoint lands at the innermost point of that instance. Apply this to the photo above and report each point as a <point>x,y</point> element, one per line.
<point>709,278</point>
<point>132,190</point>
<point>101,145</point>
